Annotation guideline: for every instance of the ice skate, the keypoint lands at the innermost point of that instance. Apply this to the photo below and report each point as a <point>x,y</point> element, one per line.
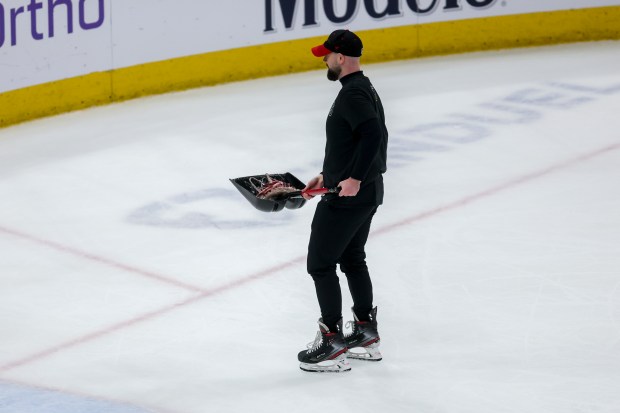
<point>363,341</point>
<point>327,354</point>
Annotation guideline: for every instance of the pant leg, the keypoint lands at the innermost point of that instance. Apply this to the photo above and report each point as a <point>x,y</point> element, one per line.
<point>353,265</point>
<point>332,230</point>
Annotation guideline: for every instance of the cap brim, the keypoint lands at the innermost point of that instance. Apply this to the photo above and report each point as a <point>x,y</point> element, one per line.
<point>320,51</point>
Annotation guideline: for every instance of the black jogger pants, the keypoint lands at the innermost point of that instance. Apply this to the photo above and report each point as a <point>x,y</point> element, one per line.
<point>339,236</point>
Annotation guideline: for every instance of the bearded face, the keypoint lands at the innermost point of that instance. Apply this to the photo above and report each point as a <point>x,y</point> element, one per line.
<point>333,66</point>
<point>334,74</point>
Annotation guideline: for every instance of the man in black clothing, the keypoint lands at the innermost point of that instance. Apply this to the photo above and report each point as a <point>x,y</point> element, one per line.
<point>355,159</point>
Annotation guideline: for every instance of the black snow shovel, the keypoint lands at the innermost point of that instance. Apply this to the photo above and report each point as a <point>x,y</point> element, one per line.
<point>274,192</point>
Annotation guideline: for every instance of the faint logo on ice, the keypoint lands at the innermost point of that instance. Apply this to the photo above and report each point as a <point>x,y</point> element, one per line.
<point>225,209</point>
<point>207,208</point>
<point>483,120</point>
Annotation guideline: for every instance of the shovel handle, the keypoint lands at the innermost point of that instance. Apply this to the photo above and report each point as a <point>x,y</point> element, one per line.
<point>320,191</point>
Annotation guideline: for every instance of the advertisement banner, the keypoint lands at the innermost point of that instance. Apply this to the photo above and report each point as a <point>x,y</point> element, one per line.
<point>47,40</point>
<point>147,31</point>
<point>43,41</point>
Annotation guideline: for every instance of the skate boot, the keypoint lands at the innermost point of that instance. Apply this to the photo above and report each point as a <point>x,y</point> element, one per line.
<point>327,354</point>
<point>363,341</point>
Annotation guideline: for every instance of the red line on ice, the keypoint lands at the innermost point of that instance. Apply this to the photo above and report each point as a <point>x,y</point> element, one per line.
<point>271,270</point>
<point>101,260</point>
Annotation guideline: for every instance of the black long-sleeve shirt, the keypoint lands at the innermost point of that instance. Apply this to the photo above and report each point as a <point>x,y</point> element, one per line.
<point>356,144</point>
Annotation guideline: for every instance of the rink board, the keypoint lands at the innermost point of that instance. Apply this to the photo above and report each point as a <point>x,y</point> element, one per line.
<point>446,37</point>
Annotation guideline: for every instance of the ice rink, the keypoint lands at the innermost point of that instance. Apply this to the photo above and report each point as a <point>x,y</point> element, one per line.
<point>135,278</point>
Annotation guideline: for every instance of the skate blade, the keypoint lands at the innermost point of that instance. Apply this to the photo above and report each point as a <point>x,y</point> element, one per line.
<point>337,365</point>
<point>368,353</point>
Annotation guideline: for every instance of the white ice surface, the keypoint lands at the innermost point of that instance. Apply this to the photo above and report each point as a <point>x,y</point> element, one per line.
<point>133,274</point>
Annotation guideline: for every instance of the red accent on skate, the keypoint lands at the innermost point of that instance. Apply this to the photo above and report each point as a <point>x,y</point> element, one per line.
<point>339,353</point>
<point>373,341</point>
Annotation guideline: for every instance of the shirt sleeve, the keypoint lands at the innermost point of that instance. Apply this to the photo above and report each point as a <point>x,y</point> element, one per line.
<point>367,149</point>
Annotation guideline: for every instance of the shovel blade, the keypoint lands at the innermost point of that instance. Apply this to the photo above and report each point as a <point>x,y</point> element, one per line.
<point>247,186</point>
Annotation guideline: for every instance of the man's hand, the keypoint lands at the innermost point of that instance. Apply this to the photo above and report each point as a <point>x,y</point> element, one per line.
<point>349,187</point>
<point>316,182</point>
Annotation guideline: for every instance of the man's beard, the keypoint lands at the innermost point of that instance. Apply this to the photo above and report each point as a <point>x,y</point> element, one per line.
<point>333,74</point>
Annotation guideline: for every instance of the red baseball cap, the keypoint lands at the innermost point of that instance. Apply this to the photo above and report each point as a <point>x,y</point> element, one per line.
<point>340,41</point>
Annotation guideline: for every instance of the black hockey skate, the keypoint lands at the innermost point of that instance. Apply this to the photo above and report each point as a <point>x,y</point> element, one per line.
<point>327,354</point>
<point>363,341</point>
